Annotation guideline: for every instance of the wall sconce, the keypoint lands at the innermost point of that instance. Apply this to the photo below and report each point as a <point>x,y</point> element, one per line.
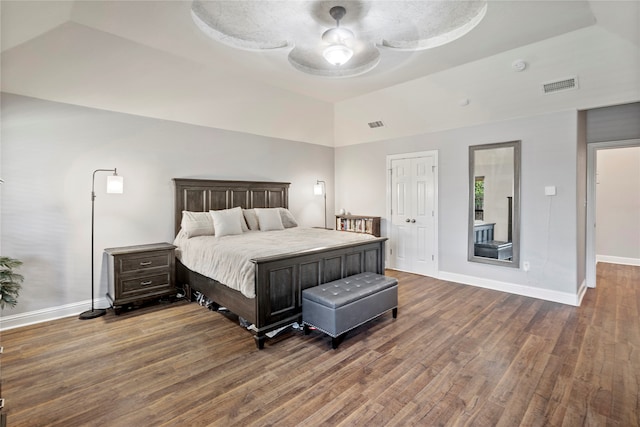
<point>115,185</point>
<point>319,189</point>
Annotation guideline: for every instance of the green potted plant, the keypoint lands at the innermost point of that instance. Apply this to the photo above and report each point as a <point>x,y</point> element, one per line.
<point>10,282</point>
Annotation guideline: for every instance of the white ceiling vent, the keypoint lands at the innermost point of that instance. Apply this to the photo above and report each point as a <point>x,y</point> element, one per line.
<point>570,83</point>
<point>377,124</point>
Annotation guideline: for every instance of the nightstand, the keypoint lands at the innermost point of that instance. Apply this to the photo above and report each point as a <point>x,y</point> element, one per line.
<point>138,273</point>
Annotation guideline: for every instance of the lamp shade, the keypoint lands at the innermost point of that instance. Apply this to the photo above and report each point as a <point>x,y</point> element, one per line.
<point>337,54</point>
<point>115,184</point>
<point>317,190</point>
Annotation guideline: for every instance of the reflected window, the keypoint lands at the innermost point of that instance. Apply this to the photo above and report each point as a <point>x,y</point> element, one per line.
<point>479,198</point>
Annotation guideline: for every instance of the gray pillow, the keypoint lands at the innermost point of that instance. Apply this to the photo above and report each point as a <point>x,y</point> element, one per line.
<point>288,221</point>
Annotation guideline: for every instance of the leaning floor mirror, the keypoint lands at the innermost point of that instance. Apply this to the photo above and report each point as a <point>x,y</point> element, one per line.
<point>494,204</point>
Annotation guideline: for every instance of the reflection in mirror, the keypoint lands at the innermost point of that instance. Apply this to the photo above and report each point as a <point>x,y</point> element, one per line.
<point>494,204</point>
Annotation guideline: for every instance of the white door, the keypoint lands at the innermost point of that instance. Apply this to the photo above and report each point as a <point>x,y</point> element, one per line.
<point>413,216</point>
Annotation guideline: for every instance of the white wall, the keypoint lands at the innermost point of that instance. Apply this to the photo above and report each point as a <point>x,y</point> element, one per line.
<point>581,199</point>
<point>548,231</point>
<point>78,65</point>
<point>49,151</point>
<point>618,205</point>
<point>605,64</point>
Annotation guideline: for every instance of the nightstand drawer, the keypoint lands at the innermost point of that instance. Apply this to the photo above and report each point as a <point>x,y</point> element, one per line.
<point>142,262</point>
<point>146,283</point>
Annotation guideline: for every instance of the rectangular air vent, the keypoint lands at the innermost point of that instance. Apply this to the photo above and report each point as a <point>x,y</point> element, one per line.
<point>377,124</point>
<point>569,83</point>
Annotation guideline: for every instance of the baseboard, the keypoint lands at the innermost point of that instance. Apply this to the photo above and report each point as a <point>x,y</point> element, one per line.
<point>582,290</point>
<point>617,260</point>
<point>527,291</point>
<point>47,314</point>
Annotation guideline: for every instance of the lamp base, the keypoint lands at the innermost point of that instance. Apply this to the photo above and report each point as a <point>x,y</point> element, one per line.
<point>92,314</point>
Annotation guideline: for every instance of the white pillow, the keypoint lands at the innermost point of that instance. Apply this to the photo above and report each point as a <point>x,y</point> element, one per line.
<point>227,221</point>
<point>197,224</point>
<point>269,219</point>
<point>251,218</point>
<point>288,221</point>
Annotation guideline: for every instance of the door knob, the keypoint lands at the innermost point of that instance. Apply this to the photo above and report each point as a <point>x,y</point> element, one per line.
<point>413,221</point>
<point>407,220</point>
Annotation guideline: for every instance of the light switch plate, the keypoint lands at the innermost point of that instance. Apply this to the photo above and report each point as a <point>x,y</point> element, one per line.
<point>550,190</point>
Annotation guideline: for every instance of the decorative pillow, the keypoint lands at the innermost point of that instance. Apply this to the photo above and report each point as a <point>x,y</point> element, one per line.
<point>181,235</point>
<point>288,221</point>
<point>243,221</point>
<point>251,218</point>
<point>227,221</point>
<point>269,219</point>
<point>197,224</point>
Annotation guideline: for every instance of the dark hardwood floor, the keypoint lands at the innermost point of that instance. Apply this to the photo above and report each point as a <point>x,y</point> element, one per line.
<point>456,355</point>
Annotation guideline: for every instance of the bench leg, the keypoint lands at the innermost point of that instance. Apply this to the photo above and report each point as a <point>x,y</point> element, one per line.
<point>335,342</point>
<point>394,312</point>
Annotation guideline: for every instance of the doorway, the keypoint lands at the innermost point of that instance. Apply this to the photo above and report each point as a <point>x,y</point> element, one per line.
<point>412,198</point>
<point>592,179</point>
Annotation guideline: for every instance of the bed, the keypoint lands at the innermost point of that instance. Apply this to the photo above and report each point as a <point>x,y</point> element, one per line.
<point>281,278</point>
<point>485,246</point>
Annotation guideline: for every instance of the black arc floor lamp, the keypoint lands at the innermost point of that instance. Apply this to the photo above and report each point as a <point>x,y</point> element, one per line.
<point>320,189</point>
<point>115,185</point>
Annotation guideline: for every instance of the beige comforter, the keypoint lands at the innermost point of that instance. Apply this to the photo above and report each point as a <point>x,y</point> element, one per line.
<point>227,259</point>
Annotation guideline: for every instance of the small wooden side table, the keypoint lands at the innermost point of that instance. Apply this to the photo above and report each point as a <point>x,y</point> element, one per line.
<point>142,272</point>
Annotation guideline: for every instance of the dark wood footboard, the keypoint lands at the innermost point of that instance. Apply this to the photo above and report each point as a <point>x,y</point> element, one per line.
<point>280,280</point>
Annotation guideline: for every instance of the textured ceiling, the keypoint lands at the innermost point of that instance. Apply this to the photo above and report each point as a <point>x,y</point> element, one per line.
<point>168,26</point>
<point>148,58</point>
<point>366,26</point>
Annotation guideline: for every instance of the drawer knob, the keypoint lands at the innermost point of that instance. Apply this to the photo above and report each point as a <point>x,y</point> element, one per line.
<point>148,282</point>
<point>142,264</point>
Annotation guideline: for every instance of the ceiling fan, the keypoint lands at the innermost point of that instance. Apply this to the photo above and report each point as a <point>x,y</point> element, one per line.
<point>332,38</point>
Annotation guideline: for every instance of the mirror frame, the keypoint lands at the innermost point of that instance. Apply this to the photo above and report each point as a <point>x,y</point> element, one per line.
<point>515,233</point>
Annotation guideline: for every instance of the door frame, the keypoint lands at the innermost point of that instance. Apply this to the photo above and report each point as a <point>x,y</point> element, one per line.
<point>592,163</point>
<point>390,158</point>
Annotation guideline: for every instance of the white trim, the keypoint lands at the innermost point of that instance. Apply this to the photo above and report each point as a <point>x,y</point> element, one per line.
<point>390,158</point>
<point>527,291</point>
<point>617,260</point>
<point>592,163</point>
<point>47,314</point>
<point>582,290</point>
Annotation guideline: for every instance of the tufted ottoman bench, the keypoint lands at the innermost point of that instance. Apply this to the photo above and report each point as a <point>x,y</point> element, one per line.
<point>339,306</point>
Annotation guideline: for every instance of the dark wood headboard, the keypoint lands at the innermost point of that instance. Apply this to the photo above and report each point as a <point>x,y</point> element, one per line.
<point>204,195</point>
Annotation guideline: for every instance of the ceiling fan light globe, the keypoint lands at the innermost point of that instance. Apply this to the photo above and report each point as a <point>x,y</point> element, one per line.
<point>337,54</point>
<point>337,35</point>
